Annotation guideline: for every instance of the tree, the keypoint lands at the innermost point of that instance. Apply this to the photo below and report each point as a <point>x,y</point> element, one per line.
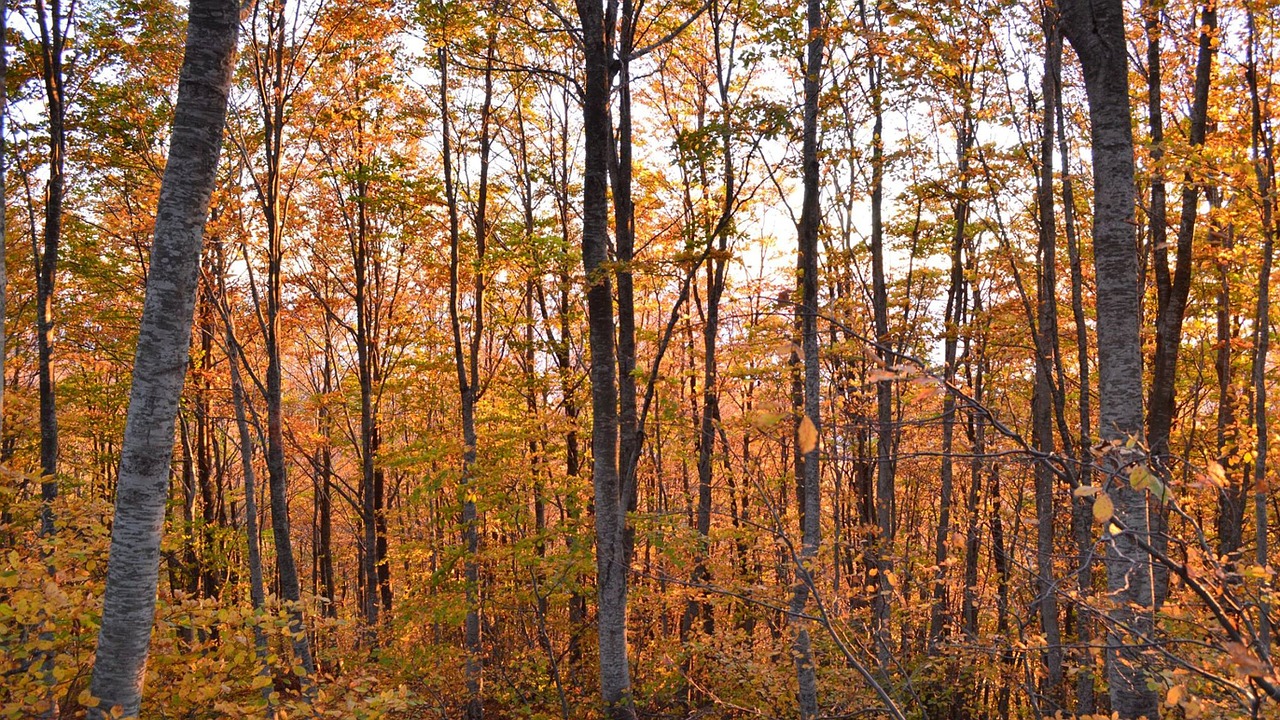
<point>53,23</point>
<point>610,510</point>
<point>160,363</point>
<point>809,426</point>
<point>1096,32</point>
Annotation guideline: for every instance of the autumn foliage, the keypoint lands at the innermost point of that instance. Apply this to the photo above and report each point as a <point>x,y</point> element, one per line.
<point>392,344</point>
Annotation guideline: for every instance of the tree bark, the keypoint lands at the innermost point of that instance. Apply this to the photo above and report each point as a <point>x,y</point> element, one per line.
<point>1046,339</point>
<point>1172,291</point>
<point>1081,513</point>
<point>957,296</point>
<point>1263,145</point>
<point>466,360</point>
<point>811,418</point>
<point>610,510</point>
<point>1096,31</point>
<point>160,363</point>
<point>4,209</point>
<point>270,70</point>
<point>879,554</point>
<point>52,24</point>
<point>257,592</point>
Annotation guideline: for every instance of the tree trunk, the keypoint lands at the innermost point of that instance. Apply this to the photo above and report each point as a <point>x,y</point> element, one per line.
<point>52,25</point>
<point>955,315</point>
<point>269,70</point>
<point>466,353</point>
<point>4,210</point>
<point>257,593</point>
<point>324,497</point>
<point>1046,338</point>
<point>1096,31</point>
<point>1081,513</point>
<point>1265,172</point>
<point>809,427</point>
<point>879,555</point>
<point>160,363</point>
<point>1172,291</point>
<point>610,512</point>
<point>1230,517</point>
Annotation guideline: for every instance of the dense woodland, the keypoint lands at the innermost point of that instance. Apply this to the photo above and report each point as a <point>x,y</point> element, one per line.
<point>665,359</point>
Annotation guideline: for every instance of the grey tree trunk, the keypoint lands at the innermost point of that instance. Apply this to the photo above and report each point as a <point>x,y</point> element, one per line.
<point>1230,517</point>
<point>1172,290</point>
<point>271,73</point>
<point>160,363</point>
<point>4,165</point>
<point>52,23</point>
<point>811,421</point>
<point>879,552</point>
<point>1081,512</point>
<point>257,593</point>
<point>1265,172</point>
<point>467,359</point>
<point>1096,31</point>
<point>1046,339</point>
<point>957,296</point>
<point>610,512</point>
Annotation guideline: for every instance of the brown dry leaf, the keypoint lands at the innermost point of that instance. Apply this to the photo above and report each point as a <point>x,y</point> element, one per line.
<point>1245,660</point>
<point>807,435</point>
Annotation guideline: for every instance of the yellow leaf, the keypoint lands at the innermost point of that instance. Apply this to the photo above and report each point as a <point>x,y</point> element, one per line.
<point>1086,491</point>
<point>1103,509</point>
<point>261,681</point>
<point>1174,696</point>
<point>763,419</point>
<point>807,435</point>
<point>1140,477</point>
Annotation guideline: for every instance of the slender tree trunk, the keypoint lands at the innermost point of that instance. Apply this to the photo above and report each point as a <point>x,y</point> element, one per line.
<point>1081,513</point>
<point>466,359</point>
<point>257,593</point>
<point>324,498</point>
<point>1172,291</point>
<point>1230,517</point>
<point>809,427</point>
<point>1046,337</point>
<point>610,518</point>
<point>52,25</point>
<point>1001,560</point>
<point>160,364</point>
<point>270,70</point>
<point>1096,31</point>
<point>954,317</point>
<point>4,210</point>
<point>564,365</point>
<point>879,556</point>
<point>1262,141</point>
<point>976,352</point>
<point>210,517</point>
<point>710,414</point>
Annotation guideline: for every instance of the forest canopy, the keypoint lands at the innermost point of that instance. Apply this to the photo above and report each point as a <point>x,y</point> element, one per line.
<point>625,359</point>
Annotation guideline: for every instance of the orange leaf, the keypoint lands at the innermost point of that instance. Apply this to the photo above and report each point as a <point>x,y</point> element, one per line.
<point>807,435</point>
